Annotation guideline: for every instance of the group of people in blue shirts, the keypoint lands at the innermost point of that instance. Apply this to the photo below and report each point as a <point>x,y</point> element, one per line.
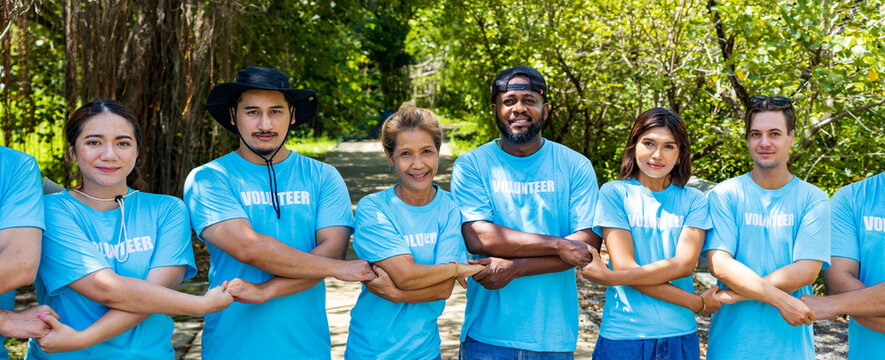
<point>523,214</point>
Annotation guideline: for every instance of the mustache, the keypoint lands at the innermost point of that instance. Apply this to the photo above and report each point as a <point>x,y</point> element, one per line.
<point>526,117</point>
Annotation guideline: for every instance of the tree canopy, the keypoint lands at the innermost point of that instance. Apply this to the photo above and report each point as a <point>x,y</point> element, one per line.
<point>605,62</point>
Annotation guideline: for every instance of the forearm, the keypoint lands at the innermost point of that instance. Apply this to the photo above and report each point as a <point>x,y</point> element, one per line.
<point>421,276</point>
<point>837,283</point>
<point>540,265</point>
<point>746,283</point>
<point>438,291</point>
<point>794,276</point>
<point>5,322</point>
<point>115,322</point>
<point>138,296</point>
<point>111,324</point>
<point>868,301</point>
<point>656,273</point>
<point>672,294</point>
<point>280,259</point>
<point>486,238</point>
<point>280,286</point>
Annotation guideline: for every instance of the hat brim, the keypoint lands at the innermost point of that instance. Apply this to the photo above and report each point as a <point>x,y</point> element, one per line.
<point>222,97</point>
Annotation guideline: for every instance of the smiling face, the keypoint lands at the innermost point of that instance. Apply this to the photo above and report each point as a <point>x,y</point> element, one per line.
<point>656,153</point>
<point>263,118</point>
<point>415,159</point>
<point>519,114</point>
<point>769,141</point>
<point>105,151</point>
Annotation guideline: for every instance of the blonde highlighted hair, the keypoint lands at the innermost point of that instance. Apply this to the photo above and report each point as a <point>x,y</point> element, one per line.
<point>410,117</point>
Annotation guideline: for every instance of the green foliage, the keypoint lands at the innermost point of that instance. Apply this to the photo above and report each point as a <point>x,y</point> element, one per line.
<point>33,113</point>
<point>607,61</point>
<point>315,147</point>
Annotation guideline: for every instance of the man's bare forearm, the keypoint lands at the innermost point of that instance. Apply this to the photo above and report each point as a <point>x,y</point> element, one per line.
<point>486,238</point>
<point>279,286</point>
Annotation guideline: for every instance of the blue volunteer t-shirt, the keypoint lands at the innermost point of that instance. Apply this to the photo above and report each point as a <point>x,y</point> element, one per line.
<point>81,240</point>
<point>387,227</point>
<point>21,205</point>
<point>765,230</point>
<point>859,234</point>
<point>655,220</point>
<point>551,192</point>
<point>312,196</point>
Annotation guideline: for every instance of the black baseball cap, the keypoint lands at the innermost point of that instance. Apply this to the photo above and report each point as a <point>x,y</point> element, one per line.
<point>536,81</point>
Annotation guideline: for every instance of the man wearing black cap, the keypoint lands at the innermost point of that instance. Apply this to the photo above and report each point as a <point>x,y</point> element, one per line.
<point>527,206</point>
<point>273,218</point>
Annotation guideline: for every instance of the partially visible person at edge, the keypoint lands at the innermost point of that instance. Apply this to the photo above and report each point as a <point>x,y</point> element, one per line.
<point>855,280</point>
<point>411,233</point>
<point>21,226</point>
<point>113,256</point>
<point>527,207</point>
<point>275,223</point>
<point>770,238</point>
<point>654,228</point>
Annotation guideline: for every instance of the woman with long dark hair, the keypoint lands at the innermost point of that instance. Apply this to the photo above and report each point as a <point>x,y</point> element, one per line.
<point>113,255</point>
<point>653,227</point>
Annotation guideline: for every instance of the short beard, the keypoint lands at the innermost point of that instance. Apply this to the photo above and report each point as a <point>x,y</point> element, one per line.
<point>264,153</point>
<point>524,137</point>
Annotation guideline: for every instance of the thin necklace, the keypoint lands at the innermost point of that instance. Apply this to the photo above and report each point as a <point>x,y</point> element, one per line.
<point>122,236</point>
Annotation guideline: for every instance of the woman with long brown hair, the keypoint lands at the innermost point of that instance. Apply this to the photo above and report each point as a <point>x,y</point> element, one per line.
<point>653,227</point>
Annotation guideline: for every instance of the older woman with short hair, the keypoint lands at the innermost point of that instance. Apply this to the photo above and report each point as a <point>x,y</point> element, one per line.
<point>411,232</point>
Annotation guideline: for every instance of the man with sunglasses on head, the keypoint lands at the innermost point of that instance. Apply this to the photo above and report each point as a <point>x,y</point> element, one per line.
<point>275,223</point>
<point>527,205</point>
<point>770,238</point>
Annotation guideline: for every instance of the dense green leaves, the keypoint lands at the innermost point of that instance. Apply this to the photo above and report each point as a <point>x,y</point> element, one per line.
<point>606,61</point>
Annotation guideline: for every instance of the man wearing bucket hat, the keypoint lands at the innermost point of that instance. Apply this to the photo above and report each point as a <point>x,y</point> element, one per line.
<point>273,218</point>
<point>527,205</point>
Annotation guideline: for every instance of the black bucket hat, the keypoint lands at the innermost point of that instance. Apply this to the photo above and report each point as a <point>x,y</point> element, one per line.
<point>536,81</point>
<point>223,96</point>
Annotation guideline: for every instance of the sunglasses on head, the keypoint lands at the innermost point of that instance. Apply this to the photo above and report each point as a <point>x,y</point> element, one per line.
<point>776,100</point>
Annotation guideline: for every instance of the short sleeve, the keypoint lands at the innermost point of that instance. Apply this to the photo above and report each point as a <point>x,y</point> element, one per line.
<point>844,234</point>
<point>723,235</point>
<point>451,242</point>
<point>23,199</point>
<point>469,192</point>
<point>334,207</point>
<point>813,237</point>
<point>376,238</point>
<point>210,200</point>
<point>698,216</point>
<point>583,193</point>
<point>610,211</point>
<point>174,240</point>
<point>67,254</point>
